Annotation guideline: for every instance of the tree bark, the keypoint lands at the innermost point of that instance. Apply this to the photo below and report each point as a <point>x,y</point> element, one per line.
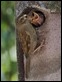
<point>20,59</point>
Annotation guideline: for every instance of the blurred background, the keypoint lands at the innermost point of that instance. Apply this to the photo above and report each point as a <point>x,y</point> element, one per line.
<point>8,42</point>
<point>8,35</point>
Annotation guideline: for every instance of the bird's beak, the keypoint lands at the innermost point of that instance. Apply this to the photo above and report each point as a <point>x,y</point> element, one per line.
<point>36,19</point>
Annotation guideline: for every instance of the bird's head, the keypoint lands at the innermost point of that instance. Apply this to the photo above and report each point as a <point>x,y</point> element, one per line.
<point>36,19</point>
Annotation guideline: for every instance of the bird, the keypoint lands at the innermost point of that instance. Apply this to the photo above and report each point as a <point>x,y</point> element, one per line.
<point>28,38</point>
<point>36,18</point>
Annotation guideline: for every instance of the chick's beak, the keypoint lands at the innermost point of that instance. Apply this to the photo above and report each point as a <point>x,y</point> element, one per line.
<point>36,19</point>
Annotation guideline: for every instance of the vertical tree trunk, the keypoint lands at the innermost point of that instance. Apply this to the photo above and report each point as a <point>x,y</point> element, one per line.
<point>20,59</point>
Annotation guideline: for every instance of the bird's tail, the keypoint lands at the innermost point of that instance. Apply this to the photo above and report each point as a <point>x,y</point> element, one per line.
<point>27,66</point>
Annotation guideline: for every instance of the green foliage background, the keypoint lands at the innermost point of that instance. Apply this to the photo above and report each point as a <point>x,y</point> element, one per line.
<point>8,42</point>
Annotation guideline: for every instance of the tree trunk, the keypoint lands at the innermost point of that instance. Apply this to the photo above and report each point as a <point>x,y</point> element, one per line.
<point>20,59</point>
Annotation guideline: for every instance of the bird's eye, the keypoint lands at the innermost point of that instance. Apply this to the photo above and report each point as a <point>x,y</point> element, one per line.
<point>25,16</point>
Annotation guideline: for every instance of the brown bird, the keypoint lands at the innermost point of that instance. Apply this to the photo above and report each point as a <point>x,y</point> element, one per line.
<point>28,38</point>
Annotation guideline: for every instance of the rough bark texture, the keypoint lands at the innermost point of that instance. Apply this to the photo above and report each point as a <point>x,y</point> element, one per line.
<point>45,63</point>
<point>20,59</point>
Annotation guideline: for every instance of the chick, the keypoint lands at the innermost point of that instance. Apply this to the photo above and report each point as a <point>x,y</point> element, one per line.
<point>36,18</point>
